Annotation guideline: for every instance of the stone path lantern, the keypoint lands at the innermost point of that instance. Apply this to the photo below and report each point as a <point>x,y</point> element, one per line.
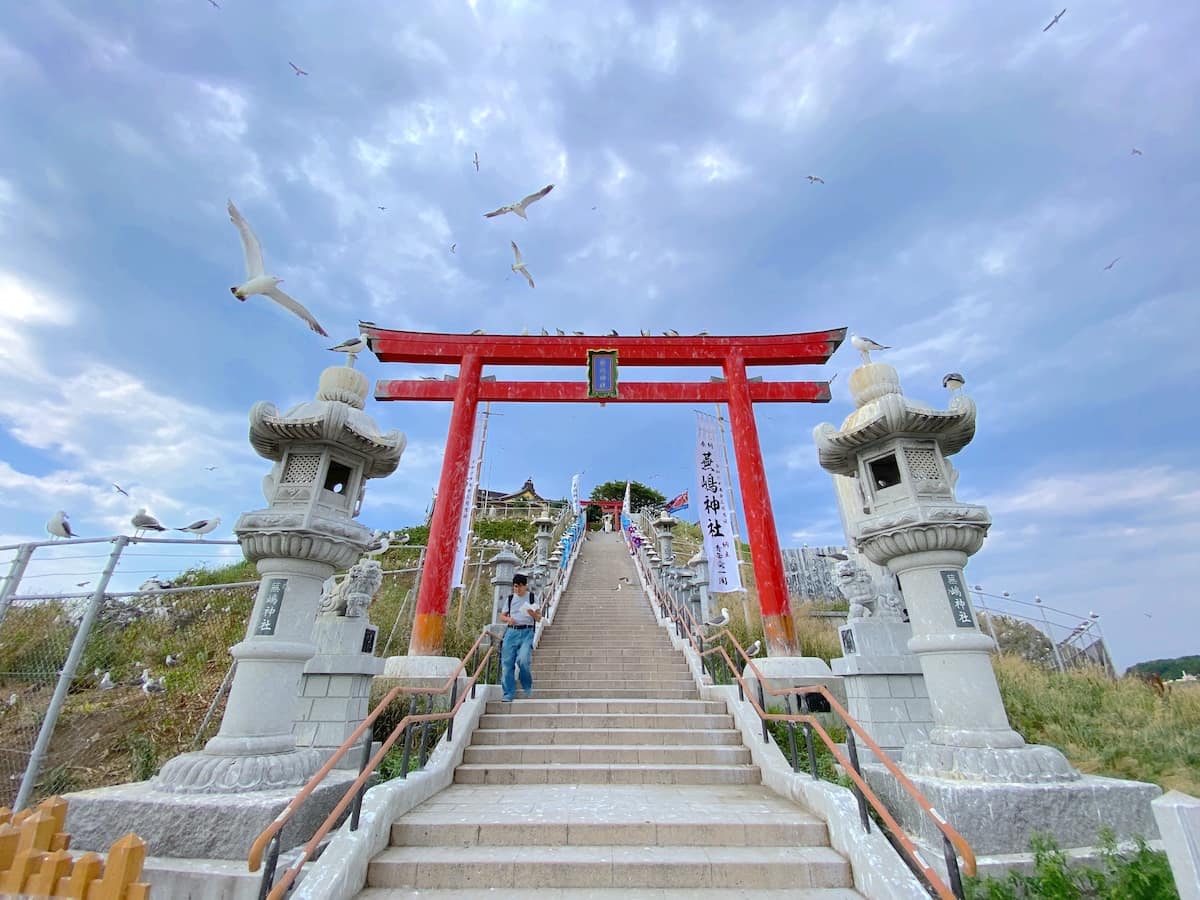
<point>975,769</point>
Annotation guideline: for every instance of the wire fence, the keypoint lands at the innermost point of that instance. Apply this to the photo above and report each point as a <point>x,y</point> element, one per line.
<point>151,672</point>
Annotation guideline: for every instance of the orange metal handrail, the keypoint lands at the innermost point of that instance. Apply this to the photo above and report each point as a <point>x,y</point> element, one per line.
<point>254,859</point>
<point>680,612</point>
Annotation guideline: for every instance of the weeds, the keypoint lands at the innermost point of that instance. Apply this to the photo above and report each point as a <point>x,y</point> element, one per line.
<point>1137,873</point>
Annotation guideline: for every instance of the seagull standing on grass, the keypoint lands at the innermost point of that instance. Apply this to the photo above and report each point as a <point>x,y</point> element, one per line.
<point>201,527</point>
<point>106,682</point>
<point>58,526</point>
<point>257,280</point>
<point>865,345</point>
<point>519,206</point>
<point>154,685</point>
<point>351,347</point>
<point>519,263</point>
<point>143,522</point>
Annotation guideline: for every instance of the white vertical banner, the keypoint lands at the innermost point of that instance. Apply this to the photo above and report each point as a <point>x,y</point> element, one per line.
<point>575,494</point>
<point>625,507</point>
<point>468,506</point>
<point>713,507</point>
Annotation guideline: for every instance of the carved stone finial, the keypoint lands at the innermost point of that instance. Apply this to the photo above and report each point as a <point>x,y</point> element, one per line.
<point>353,594</point>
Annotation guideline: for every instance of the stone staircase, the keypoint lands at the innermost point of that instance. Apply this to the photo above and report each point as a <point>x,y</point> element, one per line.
<point>616,779</point>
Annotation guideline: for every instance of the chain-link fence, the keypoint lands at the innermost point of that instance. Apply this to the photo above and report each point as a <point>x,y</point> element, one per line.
<point>151,674</point>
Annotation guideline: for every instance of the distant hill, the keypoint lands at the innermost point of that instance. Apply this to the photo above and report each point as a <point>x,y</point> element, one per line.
<point>1168,669</point>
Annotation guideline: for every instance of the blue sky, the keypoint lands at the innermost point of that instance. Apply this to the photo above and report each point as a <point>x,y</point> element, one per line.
<point>978,178</point>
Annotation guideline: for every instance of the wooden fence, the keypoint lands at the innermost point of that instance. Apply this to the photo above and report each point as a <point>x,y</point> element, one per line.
<point>35,860</point>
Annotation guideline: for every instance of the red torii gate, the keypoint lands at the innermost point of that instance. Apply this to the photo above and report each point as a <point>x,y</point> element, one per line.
<point>732,354</point>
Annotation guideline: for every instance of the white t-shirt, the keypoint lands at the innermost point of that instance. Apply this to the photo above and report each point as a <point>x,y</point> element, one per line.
<point>519,609</point>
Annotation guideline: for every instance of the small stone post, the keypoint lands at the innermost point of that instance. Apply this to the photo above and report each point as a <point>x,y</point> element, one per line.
<point>699,564</point>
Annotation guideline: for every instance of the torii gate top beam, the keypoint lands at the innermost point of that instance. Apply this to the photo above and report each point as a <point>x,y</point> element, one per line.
<point>807,348</point>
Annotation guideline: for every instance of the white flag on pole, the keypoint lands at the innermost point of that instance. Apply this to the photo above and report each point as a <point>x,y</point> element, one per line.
<point>715,525</point>
<point>575,494</point>
<point>625,510</point>
<point>464,527</point>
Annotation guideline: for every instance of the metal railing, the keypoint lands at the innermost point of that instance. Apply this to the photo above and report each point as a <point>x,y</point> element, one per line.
<point>266,847</point>
<point>954,844</point>
<point>267,844</point>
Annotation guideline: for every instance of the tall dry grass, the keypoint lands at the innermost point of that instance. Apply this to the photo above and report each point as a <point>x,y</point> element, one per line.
<point>1121,728</point>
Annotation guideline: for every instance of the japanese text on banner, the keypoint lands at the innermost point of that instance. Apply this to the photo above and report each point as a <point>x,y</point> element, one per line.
<point>715,524</point>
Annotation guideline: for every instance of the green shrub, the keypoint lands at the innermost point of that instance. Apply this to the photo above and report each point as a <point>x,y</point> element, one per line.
<point>1133,874</point>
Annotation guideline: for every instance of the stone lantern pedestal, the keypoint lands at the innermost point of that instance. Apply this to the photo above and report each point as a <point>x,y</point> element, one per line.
<point>970,764</point>
<point>214,802</point>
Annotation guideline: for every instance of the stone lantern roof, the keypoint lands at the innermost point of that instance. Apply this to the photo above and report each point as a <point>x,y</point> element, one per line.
<point>883,411</point>
<point>336,415</point>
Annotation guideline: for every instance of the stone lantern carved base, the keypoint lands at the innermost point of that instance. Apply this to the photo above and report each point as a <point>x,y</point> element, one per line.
<point>1031,764</point>
<point>998,819</point>
<point>203,773</point>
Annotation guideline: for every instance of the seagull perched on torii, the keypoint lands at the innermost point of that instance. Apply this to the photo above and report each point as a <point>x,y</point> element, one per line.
<point>865,345</point>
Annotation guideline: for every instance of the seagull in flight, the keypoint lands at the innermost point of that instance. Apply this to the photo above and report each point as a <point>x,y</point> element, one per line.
<point>476,160</point>
<point>519,206</point>
<point>257,281</point>
<point>120,490</point>
<point>215,4</point>
<point>381,208</point>
<point>296,68</point>
<point>143,522</point>
<point>519,263</point>
<point>210,468</point>
<point>1054,21</point>
<point>58,526</point>
<point>865,345</point>
<point>1111,264</point>
<point>815,179</point>
<point>1135,152</point>
<point>452,246</point>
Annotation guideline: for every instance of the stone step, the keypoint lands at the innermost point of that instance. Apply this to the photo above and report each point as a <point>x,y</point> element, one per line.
<point>600,687</point>
<point>603,773</point>
<point>383,893</point>
<point>583,655</point>
<point>606,754</point>
<point>623,665</point>
<point>625,693</point>
<point>483,868</point>
<point>593,736</point>
<point>417,830</point>
<point>640,721</point>
<point>607,705</point>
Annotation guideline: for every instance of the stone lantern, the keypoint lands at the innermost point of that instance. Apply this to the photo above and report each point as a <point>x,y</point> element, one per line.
<point>699,565</point>
<point>664,529</point>
<point>972,766</point>
<point>504,566</point>
<point>545,525</point>
<point>212,803</point>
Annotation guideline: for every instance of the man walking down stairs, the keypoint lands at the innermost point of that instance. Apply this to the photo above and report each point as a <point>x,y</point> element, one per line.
<point>616,780</point>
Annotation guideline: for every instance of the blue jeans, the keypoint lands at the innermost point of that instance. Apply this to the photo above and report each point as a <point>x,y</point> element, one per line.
<point>517,651</point>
